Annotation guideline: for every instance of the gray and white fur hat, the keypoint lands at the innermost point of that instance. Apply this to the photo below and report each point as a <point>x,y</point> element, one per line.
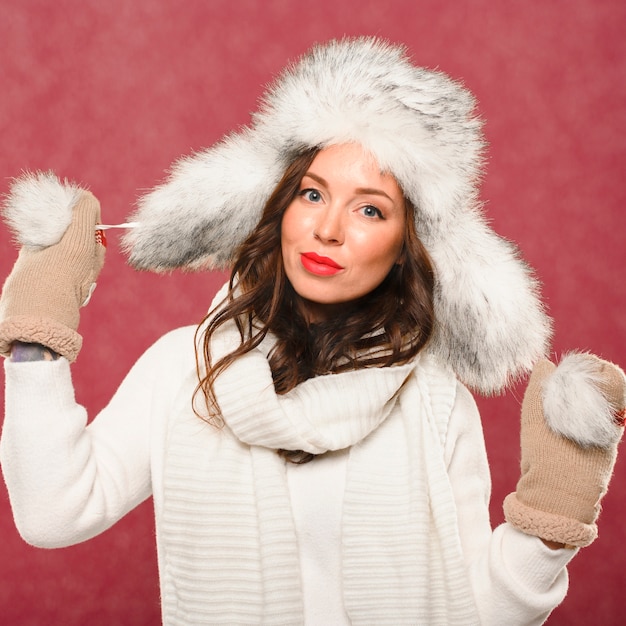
<point>422,128</point>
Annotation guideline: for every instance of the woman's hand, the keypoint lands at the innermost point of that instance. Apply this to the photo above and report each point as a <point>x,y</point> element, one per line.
<point>572,421</point>
<point>42,296</point>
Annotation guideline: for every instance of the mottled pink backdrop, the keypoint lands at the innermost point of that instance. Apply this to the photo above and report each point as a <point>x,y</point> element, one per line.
<point>109,93</point>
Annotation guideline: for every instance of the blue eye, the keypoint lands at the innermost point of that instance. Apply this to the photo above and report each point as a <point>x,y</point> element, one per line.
<point>371,211</point>
<point>312,195</point>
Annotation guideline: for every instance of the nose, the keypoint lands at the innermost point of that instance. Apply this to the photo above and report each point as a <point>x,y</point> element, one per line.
<point>329,228</point>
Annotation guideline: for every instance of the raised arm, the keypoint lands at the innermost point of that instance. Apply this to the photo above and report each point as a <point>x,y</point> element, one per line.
<point>515,569</point>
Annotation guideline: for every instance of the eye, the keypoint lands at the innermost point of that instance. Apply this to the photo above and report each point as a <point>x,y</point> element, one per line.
<point>371,211</point>
<point>312,195</point>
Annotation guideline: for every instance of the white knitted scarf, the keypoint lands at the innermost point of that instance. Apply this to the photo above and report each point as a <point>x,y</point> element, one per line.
<point>230,550</point>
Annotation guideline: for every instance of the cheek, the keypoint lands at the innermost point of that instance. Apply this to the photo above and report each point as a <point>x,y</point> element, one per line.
<point>290,240</point>
<point>291,226</point>
<point>381,252</point>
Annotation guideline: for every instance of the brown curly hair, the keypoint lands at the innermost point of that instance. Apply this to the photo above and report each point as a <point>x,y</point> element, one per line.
<point>388,326</point>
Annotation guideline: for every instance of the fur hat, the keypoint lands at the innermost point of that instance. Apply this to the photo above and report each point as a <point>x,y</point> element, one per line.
<point>421,127</point>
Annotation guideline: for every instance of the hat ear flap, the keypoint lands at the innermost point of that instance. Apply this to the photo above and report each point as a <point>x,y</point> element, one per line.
<point>210,203</point>
<point>490,323</point>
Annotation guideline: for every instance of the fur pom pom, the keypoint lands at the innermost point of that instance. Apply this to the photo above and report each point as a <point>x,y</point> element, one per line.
<point>576,400</point>
<point>38,208</point>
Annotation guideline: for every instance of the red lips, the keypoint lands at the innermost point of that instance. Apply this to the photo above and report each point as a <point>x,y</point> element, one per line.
<point>319,265</point>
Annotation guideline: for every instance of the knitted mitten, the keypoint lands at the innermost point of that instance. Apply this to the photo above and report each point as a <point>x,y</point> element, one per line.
<point>572,421</point>
<point>41,297</point>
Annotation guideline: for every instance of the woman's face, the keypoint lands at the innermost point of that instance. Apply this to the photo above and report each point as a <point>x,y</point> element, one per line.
<point>343,232</point>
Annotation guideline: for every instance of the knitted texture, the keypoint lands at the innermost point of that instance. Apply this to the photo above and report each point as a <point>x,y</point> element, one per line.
<point>562,482</point>
<point>42,296</point>
<point>60,496</point>
<point>232,555</point>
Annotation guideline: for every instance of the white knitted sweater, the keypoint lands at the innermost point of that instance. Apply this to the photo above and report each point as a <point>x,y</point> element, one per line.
<point>85,479</point>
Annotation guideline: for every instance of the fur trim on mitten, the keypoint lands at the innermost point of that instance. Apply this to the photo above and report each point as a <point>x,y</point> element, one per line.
<point>581,398</point>
<point>38,208</point>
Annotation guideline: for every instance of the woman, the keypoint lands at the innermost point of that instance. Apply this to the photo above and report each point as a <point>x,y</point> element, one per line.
<point>313,453</point>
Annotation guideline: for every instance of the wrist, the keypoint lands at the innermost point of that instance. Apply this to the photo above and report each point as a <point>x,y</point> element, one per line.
<point>57,337</point>
<point>22,352</point>
<point>548,526</point>
<point>555,545</point>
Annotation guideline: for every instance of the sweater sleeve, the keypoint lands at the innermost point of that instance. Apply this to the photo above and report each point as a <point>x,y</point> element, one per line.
<point>69,481</point>
<point>515,577</point>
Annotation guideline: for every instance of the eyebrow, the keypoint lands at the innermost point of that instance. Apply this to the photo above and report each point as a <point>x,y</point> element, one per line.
<point>360,190</point>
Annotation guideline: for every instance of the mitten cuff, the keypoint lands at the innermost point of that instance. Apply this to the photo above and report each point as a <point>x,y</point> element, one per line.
<point>45,331</point>
<point>548,526</point>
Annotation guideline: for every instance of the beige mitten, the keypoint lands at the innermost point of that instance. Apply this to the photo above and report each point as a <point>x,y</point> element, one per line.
<point>42,296</point>
<point>572,421</point>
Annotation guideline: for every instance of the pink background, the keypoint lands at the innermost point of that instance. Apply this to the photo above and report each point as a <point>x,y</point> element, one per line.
<point>109,93</point>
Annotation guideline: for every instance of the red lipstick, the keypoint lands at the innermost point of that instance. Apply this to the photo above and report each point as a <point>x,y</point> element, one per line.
<point>319,265</point>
